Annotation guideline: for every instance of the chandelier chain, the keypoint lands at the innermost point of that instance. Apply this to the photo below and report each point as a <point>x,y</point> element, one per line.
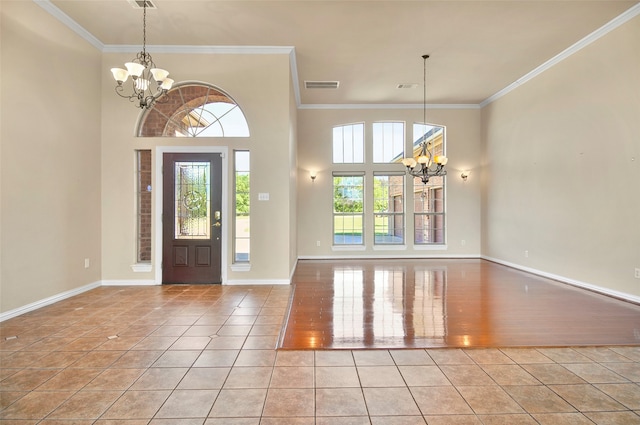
<point>427,164</point>
<point>144,28</point>
<point>424,90</point>
<point>144,91</point>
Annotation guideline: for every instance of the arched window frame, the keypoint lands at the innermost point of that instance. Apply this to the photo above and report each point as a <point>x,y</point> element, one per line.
<point>181,113</point>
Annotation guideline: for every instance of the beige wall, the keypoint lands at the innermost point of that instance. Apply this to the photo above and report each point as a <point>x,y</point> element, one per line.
<point>315,128</point>
<point>260,85</point>
<point>562,167</point>
<point>50,167</point>
<point>555,164</point>
<point>293,179</point>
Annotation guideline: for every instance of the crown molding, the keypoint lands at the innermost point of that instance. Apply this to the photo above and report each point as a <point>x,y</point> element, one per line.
<point>390,106</point>
<point>66,20</point>
<point>584,42</point>
<point>290,50</point>
<point>200,50</point>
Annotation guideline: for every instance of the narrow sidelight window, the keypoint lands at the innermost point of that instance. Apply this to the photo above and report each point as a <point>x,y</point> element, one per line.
<point>143,206</point>
<point>242,184</point>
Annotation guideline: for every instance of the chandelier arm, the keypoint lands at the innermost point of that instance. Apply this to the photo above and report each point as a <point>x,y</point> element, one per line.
<point>141,76</point>
<point>430,164</point>
<point>120,88</point>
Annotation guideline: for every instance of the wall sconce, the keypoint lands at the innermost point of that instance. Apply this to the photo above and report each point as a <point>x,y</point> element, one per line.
<point>464,175</point>
<point>313,175</point>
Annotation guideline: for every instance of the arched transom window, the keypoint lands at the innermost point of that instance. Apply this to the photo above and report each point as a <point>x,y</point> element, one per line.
<point>194,110</point>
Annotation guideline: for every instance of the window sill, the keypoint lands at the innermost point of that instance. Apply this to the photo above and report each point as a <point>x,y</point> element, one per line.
<point>348,248</point>
<point>389,247</point>
<point>241,267</point>
<point>141,267</point>
<point>430,247</point>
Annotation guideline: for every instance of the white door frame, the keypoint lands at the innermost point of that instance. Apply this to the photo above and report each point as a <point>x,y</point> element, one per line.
<point>157,211</point>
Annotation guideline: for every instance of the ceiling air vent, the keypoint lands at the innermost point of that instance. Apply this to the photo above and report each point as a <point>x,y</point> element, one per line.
<point>321,84</point>
<point>139,4</point>
<point>407,86</point>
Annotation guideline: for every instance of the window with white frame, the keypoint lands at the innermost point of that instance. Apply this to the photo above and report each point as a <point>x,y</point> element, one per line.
<point>242,225</point>
<point>143,205</point>
<point>428,213</point>
<point>348,209</point>
<point>390,225</point>
<point>348,144</point>
<point>388,142</point>
<point>428,199</point>
<point>388,208</point>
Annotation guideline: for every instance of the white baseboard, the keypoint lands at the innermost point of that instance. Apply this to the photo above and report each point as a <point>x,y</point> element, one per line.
<point>129,282</point>
<point>47,301</point>
<point>68,294</point>
<point>390,257</point>
<point>563,279</point>
<point>293,270</point>
<point>257,282</point>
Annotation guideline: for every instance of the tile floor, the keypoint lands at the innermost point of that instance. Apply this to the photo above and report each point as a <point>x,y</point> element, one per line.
<point>205,355</point>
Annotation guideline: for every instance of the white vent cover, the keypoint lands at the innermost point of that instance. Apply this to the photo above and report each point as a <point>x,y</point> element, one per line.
<point>139,4</point>
<point>321,84</point>
<point>407,86</point>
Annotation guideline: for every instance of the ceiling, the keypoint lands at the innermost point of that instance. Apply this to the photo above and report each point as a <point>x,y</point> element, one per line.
<point>477,47</point>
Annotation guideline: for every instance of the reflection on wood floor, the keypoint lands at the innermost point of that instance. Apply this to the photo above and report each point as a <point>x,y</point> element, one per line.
<point>351,304</point>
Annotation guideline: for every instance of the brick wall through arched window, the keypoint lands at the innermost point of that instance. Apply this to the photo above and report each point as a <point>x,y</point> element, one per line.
<point>194,110</point>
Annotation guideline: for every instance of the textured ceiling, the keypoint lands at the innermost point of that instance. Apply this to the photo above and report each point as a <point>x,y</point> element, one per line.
<point>477,48</point>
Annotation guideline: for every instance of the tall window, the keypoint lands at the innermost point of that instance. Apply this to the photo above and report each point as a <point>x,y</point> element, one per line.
<point>242,211</point>
<point>348,209</point>
<point>143,206</point>
<point>428,199</point>
<point>388,142</point>
<point>388,208</point>
<point>348,144</point>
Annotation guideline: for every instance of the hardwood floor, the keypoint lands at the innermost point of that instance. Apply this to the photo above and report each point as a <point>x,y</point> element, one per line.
<point>354,304</point>
<point>205,355</point>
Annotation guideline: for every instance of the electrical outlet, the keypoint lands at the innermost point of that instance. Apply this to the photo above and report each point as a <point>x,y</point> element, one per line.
<point>637,273</point>
<point>463,242</point>
<point>526,254</point>
<point>317,243</point>
<point>87,263</point>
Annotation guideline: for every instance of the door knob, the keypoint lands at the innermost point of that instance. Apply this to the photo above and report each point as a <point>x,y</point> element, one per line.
<point>217,224</point>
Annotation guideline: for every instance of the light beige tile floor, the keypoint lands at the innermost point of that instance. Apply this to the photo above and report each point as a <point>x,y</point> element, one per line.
<point>190,355</point>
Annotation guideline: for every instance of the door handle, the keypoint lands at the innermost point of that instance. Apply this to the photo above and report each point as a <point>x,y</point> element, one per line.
<point>217,224</point>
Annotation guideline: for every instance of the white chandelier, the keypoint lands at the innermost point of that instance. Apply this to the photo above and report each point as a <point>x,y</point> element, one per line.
<point>142,69</point>
<point>426,164</point>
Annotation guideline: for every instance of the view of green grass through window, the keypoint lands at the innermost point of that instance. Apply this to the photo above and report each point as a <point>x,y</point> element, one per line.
<point>388,209</point>
<point>242,184</point>
<point>348,210</point>
<point>389,144</point>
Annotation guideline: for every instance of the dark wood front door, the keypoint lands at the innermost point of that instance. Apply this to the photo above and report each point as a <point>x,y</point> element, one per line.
<point>191,219</point>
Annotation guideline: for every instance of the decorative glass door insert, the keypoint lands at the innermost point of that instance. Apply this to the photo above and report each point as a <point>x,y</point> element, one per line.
<point>192,196</point>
